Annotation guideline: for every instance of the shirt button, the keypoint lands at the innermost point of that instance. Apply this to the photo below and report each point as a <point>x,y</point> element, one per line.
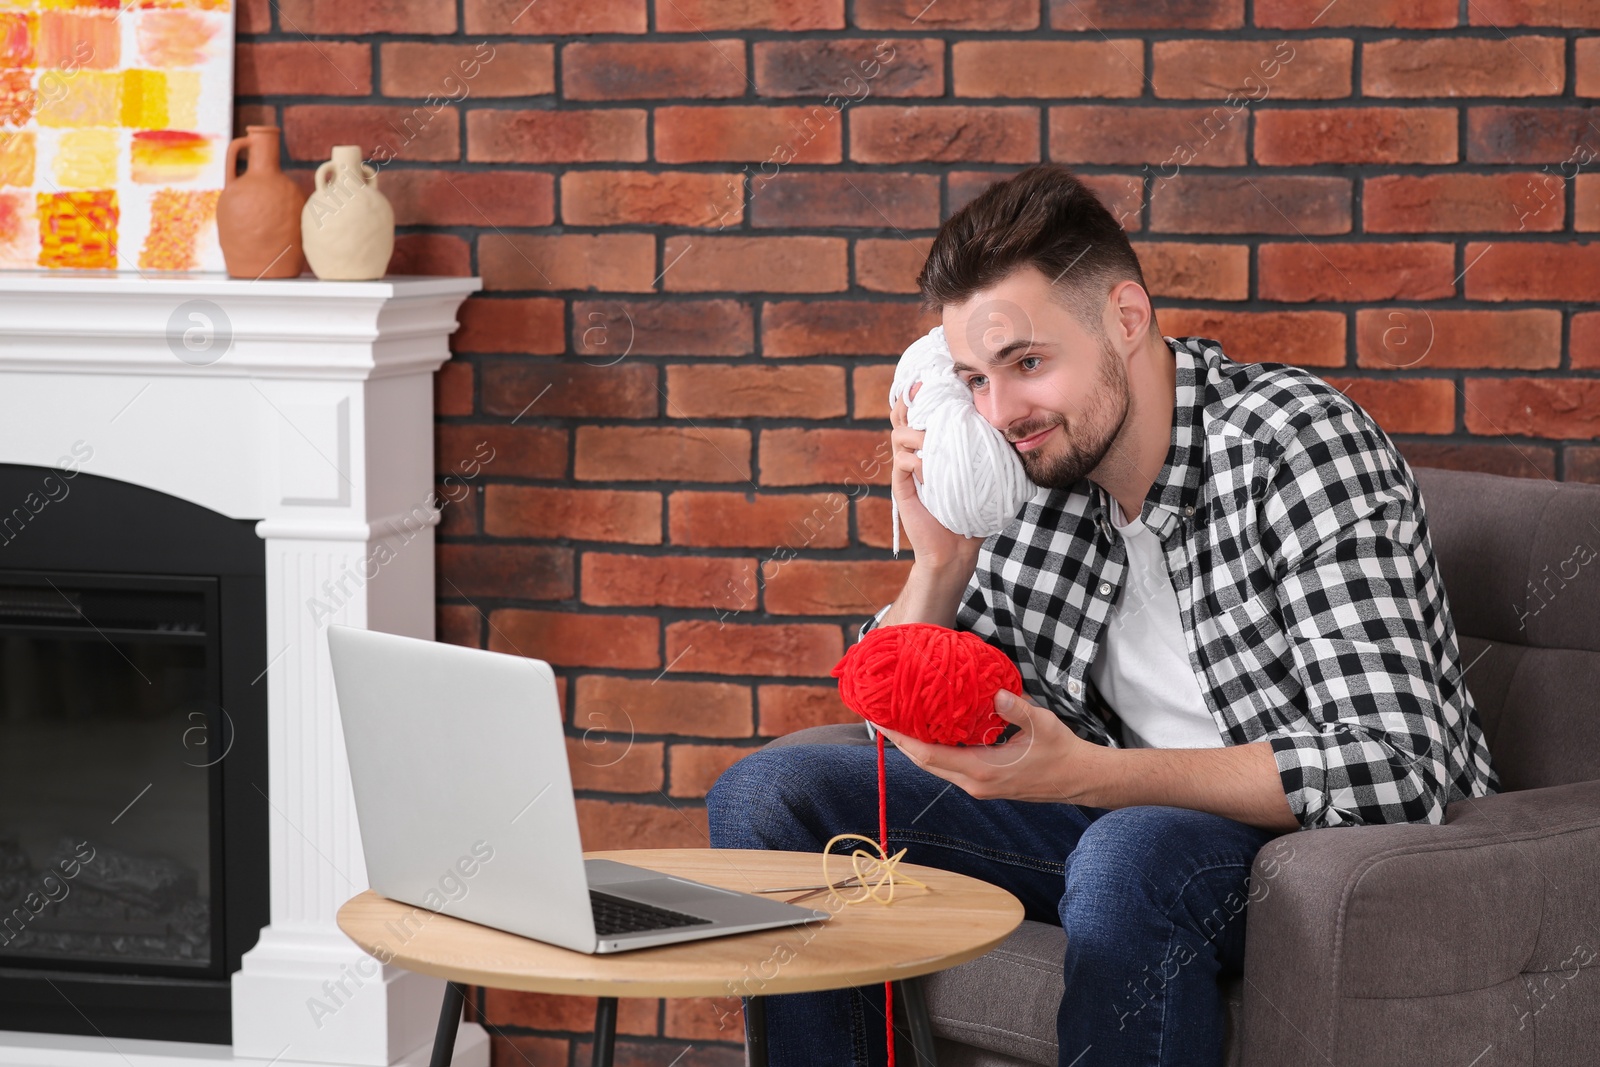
<point>1188,510</point>
<point>1105,588</point>
<point>1075,688</point>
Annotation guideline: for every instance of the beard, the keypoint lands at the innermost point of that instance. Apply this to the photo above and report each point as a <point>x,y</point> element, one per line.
<point>1078,454</point>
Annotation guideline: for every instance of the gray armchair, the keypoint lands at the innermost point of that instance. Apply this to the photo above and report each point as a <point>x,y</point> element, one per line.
<point>1476,942</point>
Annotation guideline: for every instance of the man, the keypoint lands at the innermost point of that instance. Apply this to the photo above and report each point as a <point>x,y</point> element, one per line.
<point>1224,606</point>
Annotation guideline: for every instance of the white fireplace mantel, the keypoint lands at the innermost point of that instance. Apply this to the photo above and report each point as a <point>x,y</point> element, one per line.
<point>307,406</point>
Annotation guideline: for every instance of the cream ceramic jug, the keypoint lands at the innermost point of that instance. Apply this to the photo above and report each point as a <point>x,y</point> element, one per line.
<point>347,225</point>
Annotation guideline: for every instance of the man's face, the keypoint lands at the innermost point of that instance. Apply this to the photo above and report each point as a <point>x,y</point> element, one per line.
<point>1057,392</point>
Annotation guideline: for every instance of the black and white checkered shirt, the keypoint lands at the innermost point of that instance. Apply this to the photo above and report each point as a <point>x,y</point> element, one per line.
<point>1298,547</point>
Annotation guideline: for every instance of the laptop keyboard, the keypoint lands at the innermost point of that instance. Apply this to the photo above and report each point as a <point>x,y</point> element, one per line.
<point>614,915</point>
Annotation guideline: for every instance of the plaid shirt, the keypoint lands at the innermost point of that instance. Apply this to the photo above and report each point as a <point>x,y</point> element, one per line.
<point>1297,544</point>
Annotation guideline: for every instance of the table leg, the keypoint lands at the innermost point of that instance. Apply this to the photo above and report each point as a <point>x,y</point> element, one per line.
<point>444,1038</point>
<point>755,1009</point>
<point>917,1021</point>
<point>605,1031</point>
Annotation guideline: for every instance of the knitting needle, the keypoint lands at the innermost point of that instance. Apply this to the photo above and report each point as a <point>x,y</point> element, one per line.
<point>846,884</point>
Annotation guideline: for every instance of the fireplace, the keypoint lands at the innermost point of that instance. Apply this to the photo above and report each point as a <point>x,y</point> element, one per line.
<point>133,816</point>
<point>188,463</point>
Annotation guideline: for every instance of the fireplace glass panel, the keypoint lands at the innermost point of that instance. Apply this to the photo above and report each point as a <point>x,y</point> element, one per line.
<point>108,742</point>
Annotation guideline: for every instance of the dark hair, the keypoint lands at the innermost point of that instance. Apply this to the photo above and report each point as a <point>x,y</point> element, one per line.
<point>1044,217</point>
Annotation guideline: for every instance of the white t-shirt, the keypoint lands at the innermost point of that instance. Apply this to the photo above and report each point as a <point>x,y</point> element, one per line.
<point>1143,668</point>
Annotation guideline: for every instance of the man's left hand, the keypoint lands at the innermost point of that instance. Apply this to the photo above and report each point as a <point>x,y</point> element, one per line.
<point>1043,761</point>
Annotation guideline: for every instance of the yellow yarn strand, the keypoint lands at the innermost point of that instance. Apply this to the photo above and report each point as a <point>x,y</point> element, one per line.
<point>866,867</point>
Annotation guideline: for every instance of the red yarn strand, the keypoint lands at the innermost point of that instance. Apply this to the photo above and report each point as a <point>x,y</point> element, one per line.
<point>883,841</point>
<point>883,801</point>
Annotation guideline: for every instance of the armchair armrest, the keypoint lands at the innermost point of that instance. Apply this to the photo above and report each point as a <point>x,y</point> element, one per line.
<point>1419,943</point>
<point>838,733</point>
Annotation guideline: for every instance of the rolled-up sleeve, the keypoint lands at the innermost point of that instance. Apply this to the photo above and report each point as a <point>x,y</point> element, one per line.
<point>1341,534</point>
<point>874,622</point>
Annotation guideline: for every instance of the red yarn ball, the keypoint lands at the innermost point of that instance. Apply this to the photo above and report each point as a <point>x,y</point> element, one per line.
<point>928,682</point>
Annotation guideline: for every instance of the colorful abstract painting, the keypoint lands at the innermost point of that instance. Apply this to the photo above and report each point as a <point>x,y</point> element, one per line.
<point>115,117</point>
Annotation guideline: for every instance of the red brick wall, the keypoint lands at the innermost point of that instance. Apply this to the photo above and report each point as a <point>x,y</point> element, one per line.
<point>698,274</point>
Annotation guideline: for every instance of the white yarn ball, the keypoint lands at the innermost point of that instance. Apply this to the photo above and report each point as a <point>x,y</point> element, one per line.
<point>972,479</point>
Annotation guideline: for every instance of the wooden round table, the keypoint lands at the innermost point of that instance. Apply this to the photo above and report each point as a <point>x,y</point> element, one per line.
<point>955,919</point>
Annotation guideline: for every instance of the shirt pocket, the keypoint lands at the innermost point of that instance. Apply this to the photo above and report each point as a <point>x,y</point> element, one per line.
<point>1256,635</point>
<point>1255,620</point>
<point>1239,618</point>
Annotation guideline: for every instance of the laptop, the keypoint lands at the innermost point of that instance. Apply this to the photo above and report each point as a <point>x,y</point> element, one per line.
<point>465,806</point>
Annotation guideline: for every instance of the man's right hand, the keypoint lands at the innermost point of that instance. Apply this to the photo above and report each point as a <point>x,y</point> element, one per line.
<point>933,543</point>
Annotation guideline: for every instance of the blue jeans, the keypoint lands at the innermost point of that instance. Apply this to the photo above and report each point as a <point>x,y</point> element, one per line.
<point>1152,899</point>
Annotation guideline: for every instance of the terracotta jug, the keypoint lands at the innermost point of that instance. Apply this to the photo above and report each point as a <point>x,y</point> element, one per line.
<point>347,225</point>
<point>258,212</point>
